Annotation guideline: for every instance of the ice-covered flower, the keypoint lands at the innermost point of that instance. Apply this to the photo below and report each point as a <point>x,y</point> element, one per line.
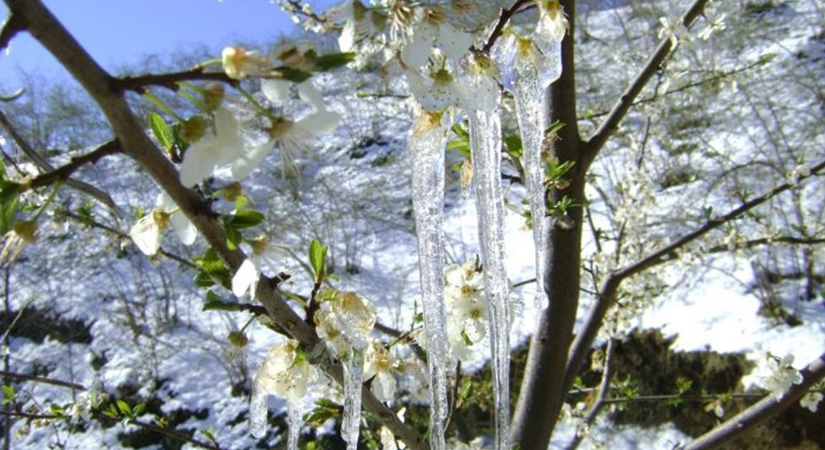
<point>378,366</point>
<point>781,374</point>
<point>552,21</point>
<point>714,24</point>
<point>436,91</point>
<point>433,30</point>
<point>360,23</point>
<point>286,373</point>
<point>467,309</point>
<point>673,29</point>
<point>800,171</point>
<point>81,409</point>
<point>480,89</point>
<point>239,63</point>
<point>527,61</point>
<point>290,137</point>
<point>811,401</point>
<point>263,255</point>
<point>22,234</point>
<point>147,231</point>
<point>217,147</point>
<point>344,320</point>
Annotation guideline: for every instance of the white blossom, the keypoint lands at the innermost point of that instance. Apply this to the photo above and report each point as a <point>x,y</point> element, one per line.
<point>22,234</point>
<point>285,373</point>
<point>811,401</point>
<point>552,24</point>
<point>437,91</point>
<point>781,374</point>
<point>239,63</point>
<point>378,366</point>
<point>263,256</point>
<point>147,231</point>
<point>221,146</point>
<point>432,30</point>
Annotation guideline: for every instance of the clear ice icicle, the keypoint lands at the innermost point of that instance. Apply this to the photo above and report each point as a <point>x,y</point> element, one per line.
<point>294,421</point>
<point>353,378</point>
<point>485,143</point>
<point>426,149</point>
<point>258,410</point>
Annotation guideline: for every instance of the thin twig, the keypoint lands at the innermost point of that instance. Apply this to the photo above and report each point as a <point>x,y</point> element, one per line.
<point>601,396</point>
<point>503,17</point>
<point>63,173</point>
<point>138,83</point>
<point>10,27</point>
<point>22,377</point>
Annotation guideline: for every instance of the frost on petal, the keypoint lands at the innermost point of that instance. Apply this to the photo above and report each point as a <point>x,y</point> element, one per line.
<point>310,94</point>
<point>253,158</point>
<point>246,278</point>
<point>320,122</point>
<point>275,90</point>
<point>416,53</point>
<point>454,42</point>
<point>146,234</point>
<point>198,162</point>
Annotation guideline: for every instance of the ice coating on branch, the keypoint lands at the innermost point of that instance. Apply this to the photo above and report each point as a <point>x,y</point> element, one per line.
<point>485,143</point>
<point>530,112</point>
<point>353,378</point>
<point>426,149</point>
<point>294,421</point>
<point>257,411</point>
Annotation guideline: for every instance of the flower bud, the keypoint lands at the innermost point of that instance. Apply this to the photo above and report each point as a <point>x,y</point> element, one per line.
<point>26,229</point>
<point>238,339</point>
<point>193,129</point>
<point>213,96</point>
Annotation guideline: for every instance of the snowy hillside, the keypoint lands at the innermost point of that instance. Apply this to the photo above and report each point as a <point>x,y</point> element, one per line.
<point>727,119</point>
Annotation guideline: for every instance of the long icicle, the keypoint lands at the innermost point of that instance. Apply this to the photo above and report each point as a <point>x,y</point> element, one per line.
<point>485,142</point>
<point>353,378</point>
<point>294,422</point>
<point>426,148</point>
<point>530,107</point>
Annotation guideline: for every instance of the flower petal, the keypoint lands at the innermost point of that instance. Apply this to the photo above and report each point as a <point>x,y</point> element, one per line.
<point>199,162</point>
<point>311,95</point>
<point>251,160</point>
<point>416,53</point>
<point>275,90</point>
<point>186,231</point>
<point>319,122</point>
<point>246,278</point>
<point>146,235</point>
<point>453,42</point>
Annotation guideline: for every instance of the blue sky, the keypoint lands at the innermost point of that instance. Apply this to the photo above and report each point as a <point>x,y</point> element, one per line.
<point>118,32</point>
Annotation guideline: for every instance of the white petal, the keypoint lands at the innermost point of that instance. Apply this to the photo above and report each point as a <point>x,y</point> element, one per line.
<point>186,231</point>
<point>384,386</point>
<point>311,95</point>
<point>251,160</point>
<point>319,122</point>
<point>198,162</point>
<point>146,234</point>
<point>165,202</point>
<point>347,39</point>
<point>275,90</point>
<point>228,142</point>
<point>416,53</point>
<point>455,43</point>
<point>246,278</point>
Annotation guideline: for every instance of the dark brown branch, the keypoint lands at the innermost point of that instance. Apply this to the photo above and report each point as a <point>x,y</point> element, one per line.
<point>137,145</point>
<point>767,407</point>
<point>41,162</point>
<point>138,83</point>
<point>63,173</point>
<point>791,240</point>
<point>10,27</point>
<point>593,319</point>
<point>503,17</point>
<point>601,397</point>
<point>22,377</point>
<point>620,109</point>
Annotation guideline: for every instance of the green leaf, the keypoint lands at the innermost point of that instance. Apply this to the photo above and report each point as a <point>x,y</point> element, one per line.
<point>203,280</point>
<point>466,389</point>
<point>124,408</point>
<point>13,96</point>
<point>140,408</point>
<point>233,238</point>
<point>460,131</point>
<point>161,131</point>
<point>466,338</point>
<point>513,146</point>
<point>217,305</point>
<point>294,75</point>
<point>317,259</point>
<point>554,128</point>
<point>333,61</point>
<point>111,411</point>
<point>8,393</point>
<point>247,218</point>
<point>56,410</point>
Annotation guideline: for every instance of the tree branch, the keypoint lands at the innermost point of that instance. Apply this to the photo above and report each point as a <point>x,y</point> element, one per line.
<point>44,164</point>
<point>620,109</point>
<point>64,172</point>
<point>10,27</point>
<point>767,407</point>
<point>138,83</point>
<point>607,297</point>
<point>791,240</point>
<point>601,397</point>
<point>137,145</point>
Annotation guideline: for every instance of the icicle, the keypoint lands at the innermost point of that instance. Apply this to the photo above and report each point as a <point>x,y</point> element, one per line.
<point>485,142</point>
<point>294,421</point>
<point>353,378</point>
<point>258,410</point>
<point>530,105</point>
<point>426,148</point>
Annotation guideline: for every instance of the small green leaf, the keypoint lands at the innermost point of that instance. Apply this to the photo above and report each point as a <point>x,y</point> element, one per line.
<point>466,389</point>
<point>111,412</point>
<point>333,61</point>
<point>460,131</point>
<point>139,409</point>
<point>466,338</point>
<point>161,131</point>
<point>317,257</point>
<point>8,394</point>
<point>247,218</point>
<point>294,75</point>
<point>13,96</point>
<point>513,146</point>
<point>217,305</point>
<point>124,408</point>
<point>203,280</point>
<point>233,238</point>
